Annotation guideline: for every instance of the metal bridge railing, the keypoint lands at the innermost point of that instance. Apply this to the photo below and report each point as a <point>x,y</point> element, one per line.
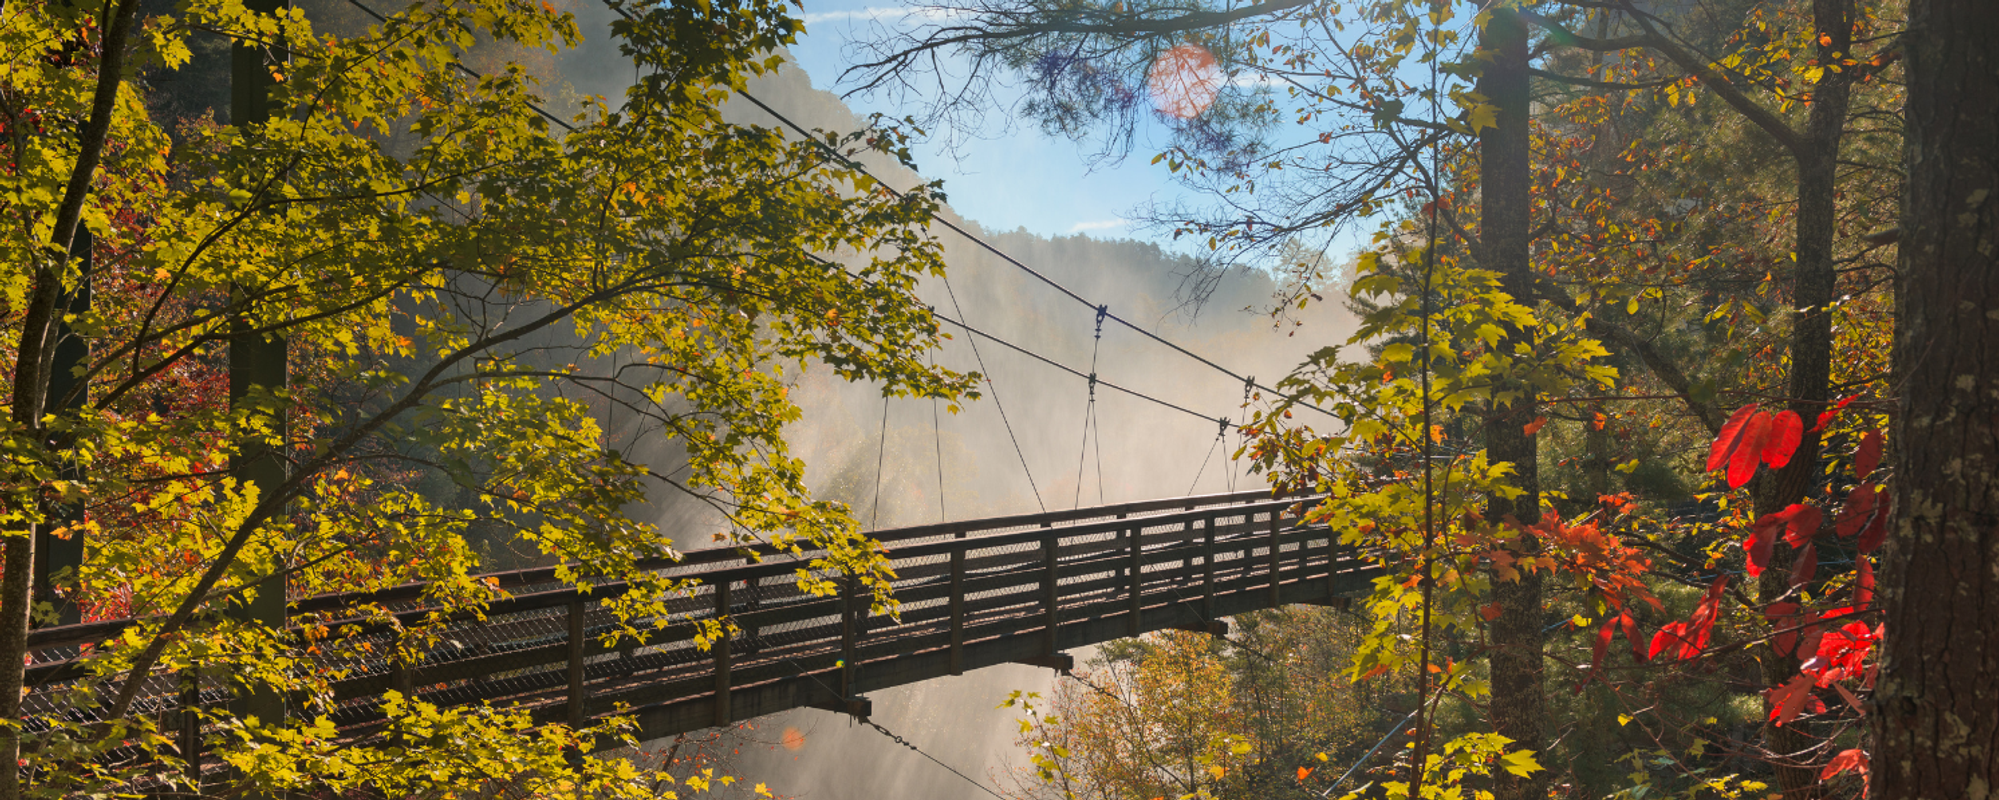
<point>972,593</point>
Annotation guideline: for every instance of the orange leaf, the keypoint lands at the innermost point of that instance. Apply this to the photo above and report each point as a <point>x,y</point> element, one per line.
<point>1490,611</point>
<point>1303,772</point>
<point>1534,427</point>
<point>1854,760</point>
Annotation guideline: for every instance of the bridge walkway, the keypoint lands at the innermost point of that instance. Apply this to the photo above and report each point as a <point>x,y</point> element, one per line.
<point>975,593</point>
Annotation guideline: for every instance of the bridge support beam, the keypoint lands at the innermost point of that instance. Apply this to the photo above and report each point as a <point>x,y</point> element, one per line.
<point>958,610</point>
<point>1218,628</point>
<point>576,640</point>
<point>1208,570</point>
<point>1051,599</point>
<point>722,655</point>
<point>1060,662</point>
<point>1134,582</point>
<point>1272,572</point>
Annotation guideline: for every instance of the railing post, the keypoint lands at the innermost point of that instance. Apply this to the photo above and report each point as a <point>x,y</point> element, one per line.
<point>958,608</point>
<point>1332,558</point>
<point>1208,572</point>
<point>576,631</point>
<point>722,655</point>
<point>1050,597</point>
<point>847,636</point>
<point>190,726</point>
<point>1134,581</point>
<point>1276,547</point>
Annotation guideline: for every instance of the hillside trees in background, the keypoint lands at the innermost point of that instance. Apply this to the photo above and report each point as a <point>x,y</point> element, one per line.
<point>459,283</point>
<point>1182,713</point>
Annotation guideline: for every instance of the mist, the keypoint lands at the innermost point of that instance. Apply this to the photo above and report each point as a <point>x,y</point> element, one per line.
<point>1021,448</point>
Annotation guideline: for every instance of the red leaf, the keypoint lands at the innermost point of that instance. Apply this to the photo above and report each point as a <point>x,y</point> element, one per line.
<point>1859,507</point>
<point>1631,635</point>
<point>1748,450</point>
<point>1783,616</point>
<point>1827,415</point>
<point>1601,646</point>
<point>1854,760</point>
<point>1760,543</point>
<point>1868,456</point>
<point>1534,427</point>
<point>1863,583</point>
<point>1803,524</point>
<point>1724,443</point>
<point>1807,566</point>
<point>1877,527</point>
<point>1785,701</point>
<point>1786,431</point>
<point>1673,634</point>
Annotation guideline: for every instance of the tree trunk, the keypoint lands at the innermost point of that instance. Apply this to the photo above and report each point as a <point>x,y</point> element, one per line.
<point>258,362</point>
<point>1813,283</point>
<point>1506,199</point>
<point>1935,718</point>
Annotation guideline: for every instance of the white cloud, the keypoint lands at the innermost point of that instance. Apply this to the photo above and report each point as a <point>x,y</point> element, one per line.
<point>1099,225</point>
<point>877,13</point>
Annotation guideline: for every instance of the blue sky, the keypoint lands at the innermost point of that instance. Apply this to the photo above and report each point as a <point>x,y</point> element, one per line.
<point>1018,178</point>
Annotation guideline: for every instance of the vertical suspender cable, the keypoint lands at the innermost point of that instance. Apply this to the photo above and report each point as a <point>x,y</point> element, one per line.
<point>1089,414</point>
<point>937,441</point>
<point>974,342</point>
<point>880,453</point>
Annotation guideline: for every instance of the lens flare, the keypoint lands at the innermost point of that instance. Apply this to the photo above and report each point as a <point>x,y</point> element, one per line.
<point>1184,81</point>
<point>793,739</point>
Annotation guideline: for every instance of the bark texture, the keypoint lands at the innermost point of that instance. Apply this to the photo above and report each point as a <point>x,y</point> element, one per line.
<point>1795,755</point>
<point>1936,715</point>
<point>1517,639</point>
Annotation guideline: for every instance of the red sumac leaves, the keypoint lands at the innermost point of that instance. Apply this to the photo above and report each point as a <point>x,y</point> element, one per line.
<point>1686,639</point>
<point>1858,511</point>
<point>1751,437</point>
<point>1799,522</point>
<point>1868,456</point>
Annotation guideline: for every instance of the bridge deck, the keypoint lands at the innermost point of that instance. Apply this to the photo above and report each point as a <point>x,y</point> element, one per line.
<point>973,594</point>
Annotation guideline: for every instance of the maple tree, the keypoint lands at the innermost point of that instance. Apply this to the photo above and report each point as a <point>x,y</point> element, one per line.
<point>442,272</point>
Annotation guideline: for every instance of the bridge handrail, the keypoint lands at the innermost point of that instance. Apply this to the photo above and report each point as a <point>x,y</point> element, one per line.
<point>89,632</point>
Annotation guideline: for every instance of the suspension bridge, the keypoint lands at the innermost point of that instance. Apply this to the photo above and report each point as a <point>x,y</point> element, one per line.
<point>975,593</point>
<point>971,593</point>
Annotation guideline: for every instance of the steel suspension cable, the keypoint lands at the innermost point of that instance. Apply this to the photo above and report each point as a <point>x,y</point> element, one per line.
<point>989,247</point>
